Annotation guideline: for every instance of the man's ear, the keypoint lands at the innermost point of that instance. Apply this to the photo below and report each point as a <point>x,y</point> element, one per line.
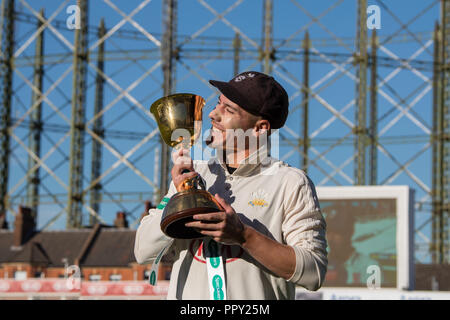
<point>262,126</point>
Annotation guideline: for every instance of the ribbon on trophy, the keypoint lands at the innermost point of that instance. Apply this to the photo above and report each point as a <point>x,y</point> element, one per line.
<point>153,278</point>
<point>216,275</point>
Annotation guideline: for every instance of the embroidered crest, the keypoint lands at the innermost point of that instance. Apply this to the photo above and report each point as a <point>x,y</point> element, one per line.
<point>259,199</point>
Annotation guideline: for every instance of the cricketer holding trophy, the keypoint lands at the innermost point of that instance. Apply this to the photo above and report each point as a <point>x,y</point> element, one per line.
<point>262,232</point>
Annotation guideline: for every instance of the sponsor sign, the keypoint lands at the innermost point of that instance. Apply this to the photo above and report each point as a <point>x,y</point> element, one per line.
<point>97,288</point>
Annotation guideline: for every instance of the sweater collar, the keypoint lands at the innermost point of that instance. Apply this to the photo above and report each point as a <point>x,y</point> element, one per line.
<point>251,165</point>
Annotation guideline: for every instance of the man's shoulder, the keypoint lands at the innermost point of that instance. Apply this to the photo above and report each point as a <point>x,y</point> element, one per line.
<point>286,172</point>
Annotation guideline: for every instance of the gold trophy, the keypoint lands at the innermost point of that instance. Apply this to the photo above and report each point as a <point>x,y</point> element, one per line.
<point>179,119</point>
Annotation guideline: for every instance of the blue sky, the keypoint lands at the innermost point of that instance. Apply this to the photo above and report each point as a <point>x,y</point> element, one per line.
<point>291,20</point>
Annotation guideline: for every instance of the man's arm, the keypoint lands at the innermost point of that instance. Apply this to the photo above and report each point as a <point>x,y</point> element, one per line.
<point>150,240</point>
<point>226,227</point>
<point>301,261</point>
<point>278,258</point>
<point>304,229</point>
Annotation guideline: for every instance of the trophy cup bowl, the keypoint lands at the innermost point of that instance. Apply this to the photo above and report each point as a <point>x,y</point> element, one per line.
<point>179,119</point>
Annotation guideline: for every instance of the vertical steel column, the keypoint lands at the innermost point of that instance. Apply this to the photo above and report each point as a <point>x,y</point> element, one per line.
<point>445,120</point>
<point>6,78</point>
<point>168,65</point>
<point>36,124</point>
<point>441,150</point>
<point>360,129</point>
<point>267,54</point>
<point>80,56</point>
<point>305,103</point>
<point>373,112</point>
<point>436,241</point>
<point>237,49</point>
<point>96,167</point>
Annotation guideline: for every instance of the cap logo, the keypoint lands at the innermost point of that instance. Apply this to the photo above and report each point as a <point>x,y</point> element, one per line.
<point>243,77</point>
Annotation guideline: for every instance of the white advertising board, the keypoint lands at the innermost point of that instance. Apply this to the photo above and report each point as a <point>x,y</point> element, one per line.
<point>370,236</point>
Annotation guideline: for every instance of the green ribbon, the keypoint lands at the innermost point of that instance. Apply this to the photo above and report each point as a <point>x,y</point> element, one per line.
<point>163,203</point>
<point>215,271</point>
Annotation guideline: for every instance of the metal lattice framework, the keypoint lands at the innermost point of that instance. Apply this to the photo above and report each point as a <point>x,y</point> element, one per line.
<point>73,95</point>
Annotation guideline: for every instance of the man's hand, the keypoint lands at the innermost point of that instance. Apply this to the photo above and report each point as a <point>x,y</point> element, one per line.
<point>226,227</point>
<point>182,161</point>
<point>223,226</point>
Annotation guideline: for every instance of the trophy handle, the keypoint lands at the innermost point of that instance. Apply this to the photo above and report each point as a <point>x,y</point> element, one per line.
<point>197,181</point>
<point>191,183</point>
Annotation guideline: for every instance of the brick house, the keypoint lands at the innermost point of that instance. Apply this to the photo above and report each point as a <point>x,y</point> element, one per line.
<point>105,253</point>
<point>102,253</point>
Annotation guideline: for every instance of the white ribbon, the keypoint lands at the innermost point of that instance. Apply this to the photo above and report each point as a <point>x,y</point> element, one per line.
<point>214,265</point>
<point>153,278</point>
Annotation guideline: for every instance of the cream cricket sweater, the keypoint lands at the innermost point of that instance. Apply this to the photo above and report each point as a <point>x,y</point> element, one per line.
<point>277,200</point>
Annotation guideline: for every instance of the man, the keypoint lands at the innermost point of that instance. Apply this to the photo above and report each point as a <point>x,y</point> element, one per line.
<point>271,232</point>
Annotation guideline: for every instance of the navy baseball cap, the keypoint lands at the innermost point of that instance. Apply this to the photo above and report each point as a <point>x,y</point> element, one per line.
<point>259,94</point>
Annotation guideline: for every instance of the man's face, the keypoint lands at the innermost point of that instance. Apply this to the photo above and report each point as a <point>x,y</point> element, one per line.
<point>226,117</point>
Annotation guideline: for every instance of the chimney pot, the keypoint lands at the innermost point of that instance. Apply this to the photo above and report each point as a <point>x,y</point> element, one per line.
<point>148,206</point>
<point>24,226</point>
<point>121,220</point>
<point>3,222</point>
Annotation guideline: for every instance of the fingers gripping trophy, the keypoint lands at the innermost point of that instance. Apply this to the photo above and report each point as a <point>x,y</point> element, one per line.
<point>179,118</point>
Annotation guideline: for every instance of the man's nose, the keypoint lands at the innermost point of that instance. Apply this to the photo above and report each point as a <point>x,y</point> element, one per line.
<point>214,114</point>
